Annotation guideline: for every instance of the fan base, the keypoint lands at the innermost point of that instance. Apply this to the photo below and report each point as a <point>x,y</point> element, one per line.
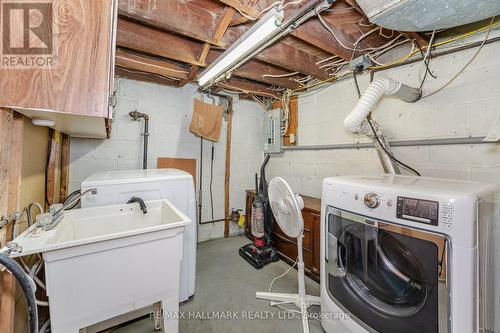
<point>301,302</point>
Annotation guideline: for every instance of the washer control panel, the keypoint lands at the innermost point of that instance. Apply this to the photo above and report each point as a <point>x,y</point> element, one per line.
<point>418,210</point>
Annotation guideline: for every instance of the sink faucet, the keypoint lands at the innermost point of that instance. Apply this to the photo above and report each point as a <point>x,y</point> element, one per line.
<point>141,203</point>
<point>56,211</point>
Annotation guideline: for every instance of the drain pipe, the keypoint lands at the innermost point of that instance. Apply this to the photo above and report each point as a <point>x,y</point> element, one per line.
<point>136,116</point>
<point>356,121</point>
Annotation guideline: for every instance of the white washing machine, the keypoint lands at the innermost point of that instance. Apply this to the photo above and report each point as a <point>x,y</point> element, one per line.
<point>409,255</point>
<point>116,187</point>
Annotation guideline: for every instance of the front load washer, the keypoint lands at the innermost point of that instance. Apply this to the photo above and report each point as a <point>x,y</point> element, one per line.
<point>405,254</point>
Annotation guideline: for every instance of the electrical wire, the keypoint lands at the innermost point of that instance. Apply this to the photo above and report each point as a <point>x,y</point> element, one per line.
<point>391,156</point>
<point>474,57</point>
<point>49,153</point>
<point>316,85</point>
<point>374,131</point>
<point>153,74</point>
<point>212,180</point>
<point>280,75</point>
<point>282,275</point>
<point>281,3</point>
<point>152,65</point>
<point>426,60</point>
<point>448,41</point>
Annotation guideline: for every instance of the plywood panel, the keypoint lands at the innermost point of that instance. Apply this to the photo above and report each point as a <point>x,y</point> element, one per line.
<point>184,164</point>
<point>78,81</point>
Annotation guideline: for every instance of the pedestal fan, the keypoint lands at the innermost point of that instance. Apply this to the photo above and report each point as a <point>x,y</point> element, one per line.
<point>287,210</point>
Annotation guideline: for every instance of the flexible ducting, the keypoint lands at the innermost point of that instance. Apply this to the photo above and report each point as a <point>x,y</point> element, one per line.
<point>378,88</point>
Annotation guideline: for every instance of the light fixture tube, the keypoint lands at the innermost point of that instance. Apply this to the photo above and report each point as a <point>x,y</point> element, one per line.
<point>268,26</point>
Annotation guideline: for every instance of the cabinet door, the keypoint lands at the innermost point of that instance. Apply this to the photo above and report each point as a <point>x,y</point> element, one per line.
<point>311,222</point>
<point>77,78</point>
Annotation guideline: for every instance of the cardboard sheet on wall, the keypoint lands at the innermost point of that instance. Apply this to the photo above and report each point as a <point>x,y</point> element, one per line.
<point>184,164</point>
<point>207,120</point>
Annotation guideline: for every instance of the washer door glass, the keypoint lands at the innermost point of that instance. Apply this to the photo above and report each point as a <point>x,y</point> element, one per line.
<point>379,274</point>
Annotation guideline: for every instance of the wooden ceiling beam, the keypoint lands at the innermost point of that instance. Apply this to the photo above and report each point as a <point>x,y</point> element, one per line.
<point>166,20</point>
<point>293,59</point>
<point>219,32</point>
<point>313,33</point>
<point>239,6</point>
<point>135,36</point>
<point>146,40</point>
<point>195,19</point>
<point>252,88</point>
<point>142,63</point>
<point>261,72</point>
<point>145,77</point>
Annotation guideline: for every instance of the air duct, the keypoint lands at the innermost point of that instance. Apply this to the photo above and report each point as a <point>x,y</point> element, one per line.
<point>378,88</point>
<point>356,121</point>
<point>426,15</point>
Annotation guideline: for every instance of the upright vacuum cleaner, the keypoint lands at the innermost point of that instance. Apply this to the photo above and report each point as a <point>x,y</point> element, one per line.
<point>261,251</point>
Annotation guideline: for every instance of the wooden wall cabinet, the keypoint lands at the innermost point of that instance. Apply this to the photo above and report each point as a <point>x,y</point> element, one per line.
<point>286,246</point>
<point>75,91</point>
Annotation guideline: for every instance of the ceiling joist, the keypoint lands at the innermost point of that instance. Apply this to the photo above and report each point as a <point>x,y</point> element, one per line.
<point>176,39</point>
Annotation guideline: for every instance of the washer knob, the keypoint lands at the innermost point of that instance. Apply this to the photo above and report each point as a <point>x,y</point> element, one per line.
<point>372,200</point>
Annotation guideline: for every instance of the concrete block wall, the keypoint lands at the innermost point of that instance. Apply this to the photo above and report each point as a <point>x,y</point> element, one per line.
<point>467,107</point>
<point>170,111</point>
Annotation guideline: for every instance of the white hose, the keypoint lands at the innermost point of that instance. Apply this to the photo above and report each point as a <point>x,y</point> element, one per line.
<point>379,87</point>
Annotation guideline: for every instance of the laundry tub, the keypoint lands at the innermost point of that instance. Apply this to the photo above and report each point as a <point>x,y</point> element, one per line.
<point>107,261</point>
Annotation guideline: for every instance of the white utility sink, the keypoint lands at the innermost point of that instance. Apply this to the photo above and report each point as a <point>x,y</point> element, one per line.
<point>107,261</point>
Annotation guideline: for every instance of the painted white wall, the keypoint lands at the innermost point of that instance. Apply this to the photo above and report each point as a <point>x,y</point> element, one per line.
<point>170,111</point>
<point>468,107</point>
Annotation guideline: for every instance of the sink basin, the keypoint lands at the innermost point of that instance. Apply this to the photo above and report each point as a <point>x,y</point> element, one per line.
<point>90,225</point>
<point>103,262</point>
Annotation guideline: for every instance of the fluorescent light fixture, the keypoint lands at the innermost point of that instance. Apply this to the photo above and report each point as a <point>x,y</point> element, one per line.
<point>261,32</point>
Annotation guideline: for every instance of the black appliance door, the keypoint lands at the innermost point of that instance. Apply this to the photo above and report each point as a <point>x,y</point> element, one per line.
<point>386,279</point>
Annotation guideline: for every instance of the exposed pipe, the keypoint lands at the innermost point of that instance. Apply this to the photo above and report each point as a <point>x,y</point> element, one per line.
<point>136,116</point>
<point>401,143</point>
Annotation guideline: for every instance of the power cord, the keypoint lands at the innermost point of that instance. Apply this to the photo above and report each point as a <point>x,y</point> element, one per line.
<point>427,61</point>
<point>282,275</point>
<point>49,153</point>
<point>278,304</point>
<point>369,120</point>
<point>391,156</point>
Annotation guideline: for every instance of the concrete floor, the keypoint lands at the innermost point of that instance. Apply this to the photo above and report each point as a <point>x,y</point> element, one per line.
<point>226,282</point>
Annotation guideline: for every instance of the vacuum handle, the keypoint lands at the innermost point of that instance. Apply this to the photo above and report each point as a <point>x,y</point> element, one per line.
<point>263,182</point>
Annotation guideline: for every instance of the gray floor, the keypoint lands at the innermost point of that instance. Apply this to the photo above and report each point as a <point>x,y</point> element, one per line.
<point>225,282</point>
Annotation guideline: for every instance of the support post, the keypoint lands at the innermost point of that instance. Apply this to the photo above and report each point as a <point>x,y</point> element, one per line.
<point>11,155</point>
<point>228,164</point>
